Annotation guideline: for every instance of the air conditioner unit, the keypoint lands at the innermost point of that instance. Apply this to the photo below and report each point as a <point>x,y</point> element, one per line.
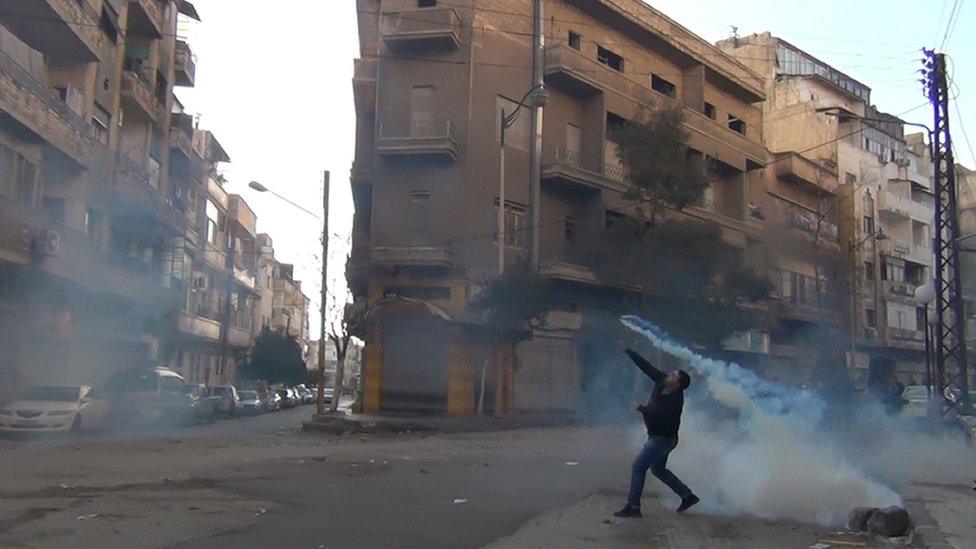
<point>47,243</point>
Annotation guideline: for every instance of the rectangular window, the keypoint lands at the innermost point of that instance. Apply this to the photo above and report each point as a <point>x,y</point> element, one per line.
<point>868,225</point>
<point>8,161</point>
<point>662,86</point>
<point>869,270</point>
<point>213,220</point>
<point>570,231</point>
<point>870,318</point>
<point>737,125</point>
<point>419,217</point>
<point>574,139</point>
<point>710,110</point>
<point>421,111</point>
<point>426,3</point>
<point>515,228</point>
<point>609,59</point>
<point>894,271</point>
<point>101,121</point>
<point>921,317</point>
<point>849,178</point>
<point>901,317</point>
<point>575,41</point>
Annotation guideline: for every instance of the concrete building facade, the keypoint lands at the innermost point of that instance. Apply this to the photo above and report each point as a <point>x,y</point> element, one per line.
<point>430,85</point>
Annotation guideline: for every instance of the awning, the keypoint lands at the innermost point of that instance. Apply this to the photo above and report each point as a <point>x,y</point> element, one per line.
<point>189,10</point>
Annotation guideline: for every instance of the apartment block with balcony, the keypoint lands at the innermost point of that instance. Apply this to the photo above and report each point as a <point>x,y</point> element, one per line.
<point>430,88</point>
<point>840,164</point>
<point>86,283</point>
<point>290,305</point>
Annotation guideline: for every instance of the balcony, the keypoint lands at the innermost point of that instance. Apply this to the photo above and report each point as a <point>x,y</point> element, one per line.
<point>136,195</point>
<point>897,247</point>
<point>802,171</point>
<point>186,65</point>
<point>242,215</point>
<point>428,28</point>
<point>411,256</point>
<point>147,18</point>
<point>215,257</point>
<point>63,30</point>
<point>217,193</point>
<point>896,205</point>
<point>31,103</point>
<point>198,326</point>
<point>137,91</point>
<point>181,142</point>
<point>364,84</point>
<point>244,278</point>
<point>237,337</point>
<point>904,290</point>
<point>563,169</point>
<point>808,312</point>
<point>435,141</point>
<point>567,263</point>
<point>573,72</point>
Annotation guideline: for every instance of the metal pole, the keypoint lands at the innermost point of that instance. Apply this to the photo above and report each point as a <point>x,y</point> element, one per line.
<point>501,198</point>
<point>320,379</point>
<point>225,313</point>
<point>535,192</point>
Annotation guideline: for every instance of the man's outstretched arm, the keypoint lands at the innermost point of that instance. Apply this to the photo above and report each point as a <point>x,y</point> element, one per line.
<point>642,363</point>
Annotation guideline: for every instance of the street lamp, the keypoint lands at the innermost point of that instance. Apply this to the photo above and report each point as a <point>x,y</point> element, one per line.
<point>537,97</point>
<point>320,378</point>
<point>925,294</point>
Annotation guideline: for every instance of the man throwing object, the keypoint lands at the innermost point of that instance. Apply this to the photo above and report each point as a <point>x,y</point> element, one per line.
<point>662,416</point>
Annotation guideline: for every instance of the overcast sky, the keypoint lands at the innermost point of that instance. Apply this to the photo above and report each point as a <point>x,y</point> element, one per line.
<point>274,85</point>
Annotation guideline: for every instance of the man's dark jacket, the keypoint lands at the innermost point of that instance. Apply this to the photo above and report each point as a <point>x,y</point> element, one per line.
<point>662,413</point>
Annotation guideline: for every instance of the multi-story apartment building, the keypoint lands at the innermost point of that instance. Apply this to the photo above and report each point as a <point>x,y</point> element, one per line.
<point>87,207</point>
<point>430,85</point>
<point>289,305</point>
<point>839,167</point>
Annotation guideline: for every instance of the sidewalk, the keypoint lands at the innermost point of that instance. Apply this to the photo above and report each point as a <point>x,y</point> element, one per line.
<point>350,423</point>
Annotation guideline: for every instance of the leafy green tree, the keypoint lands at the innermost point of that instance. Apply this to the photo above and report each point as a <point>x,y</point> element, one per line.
<point>275,358</point>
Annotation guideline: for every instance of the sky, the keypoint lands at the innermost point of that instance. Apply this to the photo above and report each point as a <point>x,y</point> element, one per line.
<point>274,85</point>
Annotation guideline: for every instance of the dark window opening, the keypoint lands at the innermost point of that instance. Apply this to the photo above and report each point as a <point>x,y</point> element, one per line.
<point>869,270</point>
<point>870,318</point>
<point>921,317</point>
<point>737,125</point>
<point>426,3</point>
<point>109,25</point>
<point>615,122</point>
<point>575,41</point>
<point>662,86</point>
<point>868,226</point>
<point>569,231</point>
<point>610,59</point>
<point>710,110</point>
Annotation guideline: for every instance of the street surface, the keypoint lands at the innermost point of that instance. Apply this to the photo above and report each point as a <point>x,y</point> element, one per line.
<point>260,482</point>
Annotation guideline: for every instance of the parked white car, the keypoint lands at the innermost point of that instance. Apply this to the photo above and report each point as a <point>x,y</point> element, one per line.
<point>917,401</point>
<point>40,408</point>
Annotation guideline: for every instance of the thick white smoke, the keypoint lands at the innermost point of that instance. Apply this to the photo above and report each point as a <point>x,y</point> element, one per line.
<point>764,451</point>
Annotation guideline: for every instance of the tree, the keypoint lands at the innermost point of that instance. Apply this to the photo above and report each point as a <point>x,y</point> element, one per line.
<point>513,302</point>
<point>341,334</point>
<point>691,281</point>
<point>276,358</point>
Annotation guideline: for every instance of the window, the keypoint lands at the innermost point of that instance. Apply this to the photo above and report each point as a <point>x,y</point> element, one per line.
<point>574,139</point>
<point>213,218</point>
<point>921,317</point>
<point>575,41</point>
<point>870,318</point>
<point>421,110</point>
<point>109,25</point>
<point>901,317</point>
<point>515,236</point>
<point>662,86</point>
<point>710,110</point>
<point>419,216</point>
<point>18,178</point>
<point>869,270</point>
<point>569,231</point>
<point>892,269</point>
<point>101,122</point>
<point>868,225</point>
<point>426,3</point>
<point>737,125</point>
<point>609,59</point>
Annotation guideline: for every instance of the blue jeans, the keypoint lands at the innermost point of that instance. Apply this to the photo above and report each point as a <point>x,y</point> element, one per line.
<point>654,456</point>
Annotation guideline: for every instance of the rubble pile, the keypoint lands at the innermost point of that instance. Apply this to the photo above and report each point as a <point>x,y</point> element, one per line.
<point>890,522</point>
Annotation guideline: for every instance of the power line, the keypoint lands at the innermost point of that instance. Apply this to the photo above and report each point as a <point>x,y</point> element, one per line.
<point>950,24</point>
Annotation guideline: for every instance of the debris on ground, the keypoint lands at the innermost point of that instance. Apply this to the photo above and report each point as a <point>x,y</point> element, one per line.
<point>572,463</point>
<point>261,512</point>
<point>460,501</point>
<point>87,517</point>
<point>890,522</point>
<point>424,472</point>
<point>857,520</point>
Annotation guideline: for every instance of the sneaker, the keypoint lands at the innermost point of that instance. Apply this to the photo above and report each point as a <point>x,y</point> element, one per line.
<point>629,511</point>
<point>687,502</point>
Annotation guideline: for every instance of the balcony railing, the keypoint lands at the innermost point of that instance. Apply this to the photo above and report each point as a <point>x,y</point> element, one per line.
<point>199,326</point>
<point>186,65</point>
<point>437,140</point>
<point>137,89</point>
<point>34,105</point>
<point>566,169</point>
<point>902,206</point>
<point>566,262</point>
<point>411,256</point>
<point>63,30</point>
<point>215,257</point>
<point>244,278</point>
<point>431,28</point>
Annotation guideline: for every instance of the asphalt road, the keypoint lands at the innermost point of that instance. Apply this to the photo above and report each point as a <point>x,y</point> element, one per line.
<point>260,482</point>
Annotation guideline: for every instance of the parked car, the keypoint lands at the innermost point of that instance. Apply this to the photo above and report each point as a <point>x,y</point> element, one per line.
<point>917,401</point>
<point>308,396</point>
<point>140,396</point>
<point>203,406</point>
<point>272,401</point>
<point>228,401</point>
<point>251,403</point>
<point>288,397</point>
<point>41,408</point>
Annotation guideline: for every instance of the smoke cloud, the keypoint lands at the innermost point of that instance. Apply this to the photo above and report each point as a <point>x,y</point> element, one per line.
<point>750,446</point>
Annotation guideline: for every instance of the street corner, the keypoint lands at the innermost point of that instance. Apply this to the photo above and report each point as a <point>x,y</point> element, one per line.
<point>590,523</point>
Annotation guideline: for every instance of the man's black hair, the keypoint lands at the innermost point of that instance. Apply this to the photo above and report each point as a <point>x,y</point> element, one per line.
<point>684,379</point>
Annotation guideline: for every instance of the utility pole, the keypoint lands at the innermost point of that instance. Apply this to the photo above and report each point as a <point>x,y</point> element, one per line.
<point>538,81</point>
<point>225,313</point>
<point>320,379</point>
<point>950,329</point>
<point>501,196</point>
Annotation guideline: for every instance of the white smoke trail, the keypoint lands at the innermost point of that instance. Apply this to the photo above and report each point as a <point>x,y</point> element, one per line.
<point>772,460</point>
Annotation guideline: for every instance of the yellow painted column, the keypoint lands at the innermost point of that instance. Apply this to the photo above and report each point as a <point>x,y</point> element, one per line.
<point>372,368</point>
<point>460,383</point>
